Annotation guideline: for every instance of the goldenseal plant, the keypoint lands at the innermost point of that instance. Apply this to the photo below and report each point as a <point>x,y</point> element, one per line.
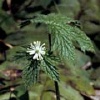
<point>37,58</point>
<point>64,33</point>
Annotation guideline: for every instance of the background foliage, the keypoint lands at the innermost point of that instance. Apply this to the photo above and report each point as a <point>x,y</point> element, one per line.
<point>75,80</point>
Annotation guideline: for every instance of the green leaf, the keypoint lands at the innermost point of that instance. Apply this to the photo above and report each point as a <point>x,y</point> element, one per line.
<point>52,19</point>
<point>64,47</point>
<point>21,93</point>
<point>31,73</point>
<point>36,91</point>
<point>64,35</point>
<point>50,69</point>
<point>48,96</point>
<point>84,42</point>
<point>6,96</point>
<point>82,59</point>
<point>69,93</point>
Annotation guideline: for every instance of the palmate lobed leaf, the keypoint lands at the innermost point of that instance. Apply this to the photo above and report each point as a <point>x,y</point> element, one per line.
<point>31,73</point>
<point>79,36</point>
<point>32,68</point>
<point>64,34</point>
<point>66,51</point>
<point>49,68</point>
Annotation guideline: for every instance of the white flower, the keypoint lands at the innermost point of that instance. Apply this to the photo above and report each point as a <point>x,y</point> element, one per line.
<point>37,50</point>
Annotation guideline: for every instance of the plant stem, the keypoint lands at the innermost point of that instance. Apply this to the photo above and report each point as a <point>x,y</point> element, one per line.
<point>49,36</point>
<point>57,90</point>
<point>55,82</point>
